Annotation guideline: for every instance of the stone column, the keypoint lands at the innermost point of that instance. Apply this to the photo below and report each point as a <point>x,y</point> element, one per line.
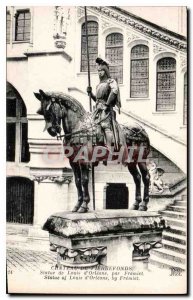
<point>51,196</point>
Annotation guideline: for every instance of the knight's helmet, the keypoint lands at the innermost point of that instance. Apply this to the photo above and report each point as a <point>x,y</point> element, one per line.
<point>105,66</point>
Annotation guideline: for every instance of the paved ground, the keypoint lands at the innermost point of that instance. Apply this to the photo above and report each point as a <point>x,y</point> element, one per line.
<point>18,259</point>
<point>23,254</point>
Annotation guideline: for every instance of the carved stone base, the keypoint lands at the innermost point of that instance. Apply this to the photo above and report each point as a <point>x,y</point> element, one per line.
<point>104,237</point>
<point>82,257</point>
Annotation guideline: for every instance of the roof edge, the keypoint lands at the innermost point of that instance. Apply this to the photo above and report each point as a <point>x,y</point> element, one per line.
<point>170,32</point>
<point>147,28</point>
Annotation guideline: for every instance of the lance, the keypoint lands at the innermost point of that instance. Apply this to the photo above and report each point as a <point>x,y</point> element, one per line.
<point>90,100</point>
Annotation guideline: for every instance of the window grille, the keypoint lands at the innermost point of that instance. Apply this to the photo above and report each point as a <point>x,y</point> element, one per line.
<point>8,29</point>
<point>114,55</point>
<point>166,84</point>
<point>92,28</point>
<point>139,72</point>
<point>185,100</point>
<point>22,26</point>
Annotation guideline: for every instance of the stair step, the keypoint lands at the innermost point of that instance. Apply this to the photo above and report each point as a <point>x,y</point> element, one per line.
<point>177,230</point>
<point>17,229</point>
<point>180,203</point>
<point>175,222</point>
<point>165,263</point>
<point>176,208</point>
<point>169,254</point>
<point>174,237</point>
<point>180,188</point>
<point>179,198</point>
<point>174,214</point>
<point>184,198</point>
<point>174,246</point>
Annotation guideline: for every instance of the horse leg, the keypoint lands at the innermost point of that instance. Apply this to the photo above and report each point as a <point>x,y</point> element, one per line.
<point>137,179</point>
<point>77,175</point>
<point>85,181</point>
<point>146,180</point>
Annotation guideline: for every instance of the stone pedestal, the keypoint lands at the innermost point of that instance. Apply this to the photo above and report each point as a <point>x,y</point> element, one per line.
<point>51,194</point>
<point>102,237</point>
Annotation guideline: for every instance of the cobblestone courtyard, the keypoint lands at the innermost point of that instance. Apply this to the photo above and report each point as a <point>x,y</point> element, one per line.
<point>25,254</point>
<point>18,259</point>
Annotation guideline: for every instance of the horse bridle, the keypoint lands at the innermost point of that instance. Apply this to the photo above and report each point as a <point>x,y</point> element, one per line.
<point>51,116</point>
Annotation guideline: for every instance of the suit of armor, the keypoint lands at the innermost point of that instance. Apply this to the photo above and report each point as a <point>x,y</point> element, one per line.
<point>107,96</point>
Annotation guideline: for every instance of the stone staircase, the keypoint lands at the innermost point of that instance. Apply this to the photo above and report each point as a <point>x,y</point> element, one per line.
<point>173,252</point>
<point>158,134</point>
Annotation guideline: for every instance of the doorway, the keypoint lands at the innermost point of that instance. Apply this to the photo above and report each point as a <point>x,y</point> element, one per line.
<point>116,196</point>
<point>20,200</point>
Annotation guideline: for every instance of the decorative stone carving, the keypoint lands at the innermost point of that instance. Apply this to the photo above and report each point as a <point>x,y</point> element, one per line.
<point>63,179</point>
<point>60,44</point>
<point>143,28</point>
<point>183,61</point>
<point>82,257</point>
<point>105,25</point>
<point>131,37</point>
<point>157,185</point>
<point>58,179</point>
<point>141,250</point>
<point>158,48</point>
<point>62,19</point>
<point>80,12</point>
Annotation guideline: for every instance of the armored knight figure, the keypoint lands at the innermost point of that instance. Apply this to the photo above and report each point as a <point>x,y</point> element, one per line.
<point>107,96</point>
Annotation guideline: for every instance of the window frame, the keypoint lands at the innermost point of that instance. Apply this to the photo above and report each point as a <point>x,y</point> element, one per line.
<point>137,59</point>
<point>18,12</point>
<point>81,41</point>
<point>185,102</point>
<point>115,46</point>
<point>165,71</point>
<point>18,120</point>
<point>8,41</point>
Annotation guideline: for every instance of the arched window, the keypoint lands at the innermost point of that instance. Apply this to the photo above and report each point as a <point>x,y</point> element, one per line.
<point>92,27</point>
<point>185,100</point>
<point>22,25</point>
<point>139,72</point>
<point>114,55</point>
<point>166,84</point>
<point>17,128</point>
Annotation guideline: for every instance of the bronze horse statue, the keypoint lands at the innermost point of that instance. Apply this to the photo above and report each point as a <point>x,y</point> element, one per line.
<point>63,111</point>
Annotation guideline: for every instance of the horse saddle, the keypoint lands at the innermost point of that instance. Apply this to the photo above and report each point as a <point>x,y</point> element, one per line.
<point>134,133</point>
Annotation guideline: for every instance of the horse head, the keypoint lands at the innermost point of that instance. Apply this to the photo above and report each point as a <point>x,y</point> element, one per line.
<point>51,110</point>
<point>59,106</point>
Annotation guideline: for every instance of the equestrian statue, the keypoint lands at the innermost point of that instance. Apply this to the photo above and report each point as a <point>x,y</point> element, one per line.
<point>98,136</point>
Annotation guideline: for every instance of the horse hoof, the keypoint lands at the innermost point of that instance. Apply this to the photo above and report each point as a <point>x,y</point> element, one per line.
<point>82,210</point>
<point>76,208</point>
<point>142,208</point>
<point>134,207</point>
